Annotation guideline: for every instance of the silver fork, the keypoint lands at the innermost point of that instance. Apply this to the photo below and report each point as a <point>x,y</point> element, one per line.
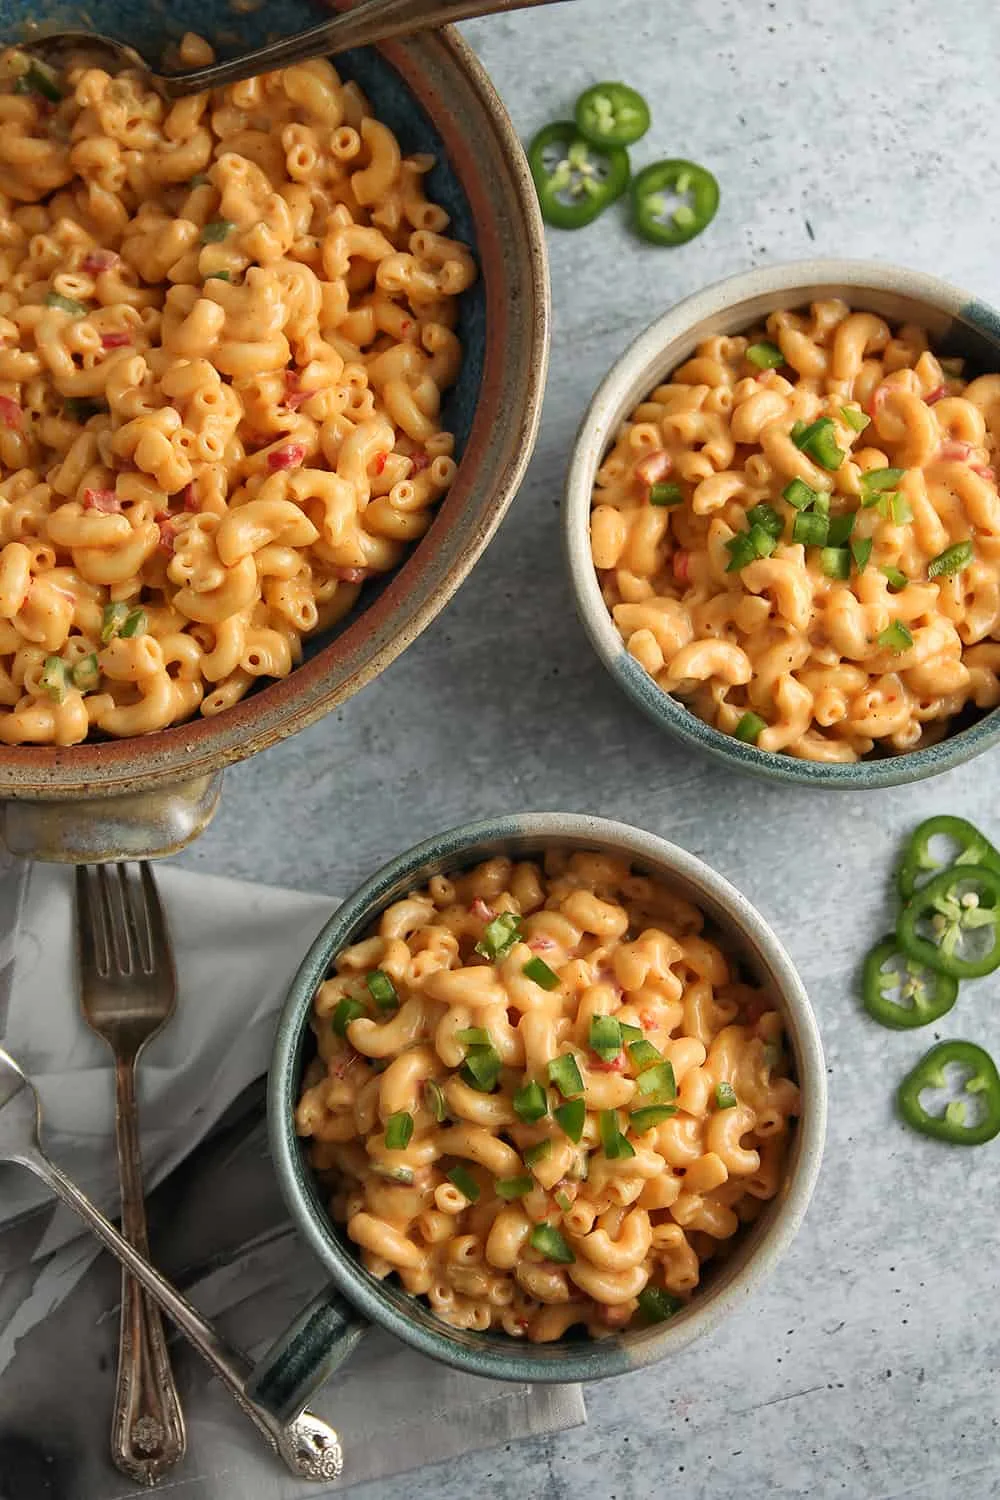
<point>127,992</point>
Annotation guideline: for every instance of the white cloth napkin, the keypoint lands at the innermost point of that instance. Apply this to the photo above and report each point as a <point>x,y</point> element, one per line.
<point>237,947</point>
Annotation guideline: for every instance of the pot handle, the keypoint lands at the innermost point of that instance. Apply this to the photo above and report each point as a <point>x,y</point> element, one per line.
<point>306,1354</point>
<point>96,829</point>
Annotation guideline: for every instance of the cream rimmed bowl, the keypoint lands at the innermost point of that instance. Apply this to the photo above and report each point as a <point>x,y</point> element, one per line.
<point>958,324</point>
<point>327,1331</point>
<point>137,798</point>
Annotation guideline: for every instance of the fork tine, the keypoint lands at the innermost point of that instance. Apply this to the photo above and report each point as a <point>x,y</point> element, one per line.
<point>127,891</point>
<point>91,932</point>
<point>161,953</point>
<point>111,897</point>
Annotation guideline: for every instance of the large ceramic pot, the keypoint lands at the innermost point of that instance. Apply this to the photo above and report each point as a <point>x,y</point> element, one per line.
<point>143,797</point>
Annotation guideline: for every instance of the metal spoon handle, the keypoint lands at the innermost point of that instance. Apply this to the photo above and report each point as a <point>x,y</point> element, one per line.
<point>309,1447</point>
<point>362,25</point>
<point>147,1427</point>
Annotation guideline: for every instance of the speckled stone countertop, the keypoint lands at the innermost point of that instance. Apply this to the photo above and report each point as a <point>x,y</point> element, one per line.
<point>869,1366</point>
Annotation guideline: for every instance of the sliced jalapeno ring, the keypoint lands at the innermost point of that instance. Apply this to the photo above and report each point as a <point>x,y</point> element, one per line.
<point>660,219</point>
<point>924,994</point>
<point>575,180</point>
<point>983,1084</point>
<point>974,848</point>
<point>611,114</point>
<point>958,908</point>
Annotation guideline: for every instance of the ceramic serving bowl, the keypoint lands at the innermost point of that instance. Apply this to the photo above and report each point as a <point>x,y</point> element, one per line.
<point>958,324</point>
<point>329,1328</point>
<point>141,797</point>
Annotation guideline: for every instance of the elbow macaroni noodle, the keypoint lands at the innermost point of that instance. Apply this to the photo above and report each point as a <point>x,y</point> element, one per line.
<point>454,1206</point>
<point>225,329</point>
<point>837,655</point>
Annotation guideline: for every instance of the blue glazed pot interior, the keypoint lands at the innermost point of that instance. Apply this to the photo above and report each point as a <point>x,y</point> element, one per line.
<point>725,1286</point>
<point>958,325</point>
<point>152,30</point>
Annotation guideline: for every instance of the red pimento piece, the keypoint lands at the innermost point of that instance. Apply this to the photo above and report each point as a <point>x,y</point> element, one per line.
<point>879,394</point>
<point>103,500</point>
<point>541,944</point>
<point>351,575</point>
<point>115,340</point>
<point>481,910</point>
<point>936,395</point>
<point>682,566</point>
<point>616,1065</point>
<point>168,531</point>
<point>11,414</point>
<point>654,468</point>
<point>405,327</point>
<point>955,451</point>
<point>189,497</point>
<point>288,457</point>
<point>294,394</point>
<point>379,463</point>
<point>96,261</point>
<point>420,461</point>
<point>984,472</point>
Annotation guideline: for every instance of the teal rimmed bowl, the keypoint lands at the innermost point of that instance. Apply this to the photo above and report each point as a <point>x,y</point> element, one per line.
<point>958,324</point>
<point>327,1330</point>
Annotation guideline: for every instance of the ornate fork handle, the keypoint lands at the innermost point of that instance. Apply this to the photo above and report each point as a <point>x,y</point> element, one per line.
<point>147,1429</point>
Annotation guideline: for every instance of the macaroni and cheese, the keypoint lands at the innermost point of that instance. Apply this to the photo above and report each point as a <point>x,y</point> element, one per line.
<point>225,329</point>
<point>799,535</point>
<point>543,1098</point>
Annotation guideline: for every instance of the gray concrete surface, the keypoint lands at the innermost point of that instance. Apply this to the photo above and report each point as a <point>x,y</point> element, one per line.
<point>870,1365</point>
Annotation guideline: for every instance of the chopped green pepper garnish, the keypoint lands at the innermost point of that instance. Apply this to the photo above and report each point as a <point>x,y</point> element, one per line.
<point>750,728</point>
<point>657,1085</point>
<point>539,1152</point>
<point>617,1147</point>
<point>741,552</point>
<point>835,562</point>
<point>565,1075</point>
<point>642,1120</point>
<point>86,673</point>
<point>895,637</point>
<point>472,1036</point>
<point>346,1011</point>
<point>725,1096</point>
<point>398,1130</point>
<point>952,560</point>
<point>876,482</point>
<point>819,441</point>
<point>605,1037</point>
<point>66,304</point>
<point>810,529</point>
<point>768,519</point>
<point>550,1243</point>
<point>657,1305</point>
<point>482,1068</point>
<point>854,418</point>
<point>136,623</point>
<point>39,79</point>
<point>840,529</point>
<point>667,493</point>
<point>530,1103</point>
<point>798,494</point>
<point>500,936</point>
<point>896,580</point>
<point>52,678</point>
<point>571,1118</point>
<point>861,551</point>
<point>465,1182</point>
<point>216,230</point>
<point>514,1187</point>
<point>538,971</point>
<point>436,1102</point>
<point>112,620</point>
<point>765,355</point>
<point>383,991</point>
